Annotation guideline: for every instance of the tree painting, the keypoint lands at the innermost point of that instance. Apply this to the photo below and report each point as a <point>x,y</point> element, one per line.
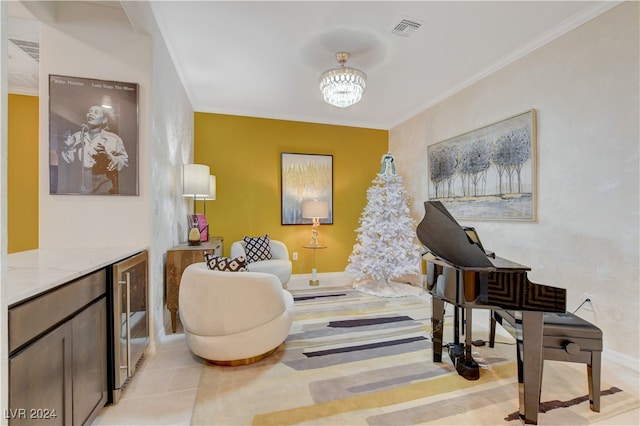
<point>511,151</point>
<point>474,162</point>
<point>488,173</point>
<point>443,164</point>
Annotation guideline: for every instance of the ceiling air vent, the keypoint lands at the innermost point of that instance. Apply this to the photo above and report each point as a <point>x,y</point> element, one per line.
<point>406,27</point>
<point>31,48</point>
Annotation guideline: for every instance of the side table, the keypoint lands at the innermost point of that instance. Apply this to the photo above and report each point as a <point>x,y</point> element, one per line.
<point>178,258</point>
<point>314,278</point>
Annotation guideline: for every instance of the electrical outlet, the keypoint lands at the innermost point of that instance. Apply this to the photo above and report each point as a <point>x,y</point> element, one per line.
<point>295,255</point>
<point>588,306</point>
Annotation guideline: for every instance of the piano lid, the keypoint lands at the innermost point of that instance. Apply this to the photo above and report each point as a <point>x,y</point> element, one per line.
<point>444,237</point>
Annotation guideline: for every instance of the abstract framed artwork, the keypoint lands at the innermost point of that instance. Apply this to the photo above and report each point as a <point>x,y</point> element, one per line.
<point>488,173</point>
<point>93,136</point>
<point>305,177</point>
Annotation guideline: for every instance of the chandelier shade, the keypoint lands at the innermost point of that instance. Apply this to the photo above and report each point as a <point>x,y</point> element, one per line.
<point>342,86</point>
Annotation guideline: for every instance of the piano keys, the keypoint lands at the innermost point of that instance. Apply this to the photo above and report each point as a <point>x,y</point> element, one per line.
<point>461,272</point>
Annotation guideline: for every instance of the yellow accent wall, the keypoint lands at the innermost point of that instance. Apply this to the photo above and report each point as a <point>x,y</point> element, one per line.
<point>244,154</point>
<point>22,173</point>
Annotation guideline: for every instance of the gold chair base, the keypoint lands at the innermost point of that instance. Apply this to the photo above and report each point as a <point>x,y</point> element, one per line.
<point>238,362</point>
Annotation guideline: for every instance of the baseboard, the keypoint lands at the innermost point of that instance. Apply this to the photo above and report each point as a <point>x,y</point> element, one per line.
<point>325,275</point>
<point>326,279</point>
<point>624,361</point>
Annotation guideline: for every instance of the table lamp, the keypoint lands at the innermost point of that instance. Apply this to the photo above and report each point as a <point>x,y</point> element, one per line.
<point>204,234</point>
<point>212,192</point>
<point>315,210</point>
<point>195,183</point>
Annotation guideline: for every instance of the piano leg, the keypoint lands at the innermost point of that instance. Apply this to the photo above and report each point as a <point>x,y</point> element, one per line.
<point>530,361</point>
<point>456,324</point>
<point>492,329</point>
<point>437,325</point>
<point>467,338</point>
<point>593,377</point>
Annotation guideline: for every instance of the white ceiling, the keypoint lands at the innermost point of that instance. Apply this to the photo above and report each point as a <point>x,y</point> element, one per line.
<point>264,58</point>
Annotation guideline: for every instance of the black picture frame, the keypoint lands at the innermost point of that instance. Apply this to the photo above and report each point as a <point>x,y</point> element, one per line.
<point>305,177</point>
<point>93,136</point>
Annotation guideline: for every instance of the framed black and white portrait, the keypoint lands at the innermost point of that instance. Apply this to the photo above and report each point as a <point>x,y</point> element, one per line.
<point>93,136</point>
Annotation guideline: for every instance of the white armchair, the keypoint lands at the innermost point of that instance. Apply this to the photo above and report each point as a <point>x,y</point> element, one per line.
<point>278,265</point>
<point>233,318</point>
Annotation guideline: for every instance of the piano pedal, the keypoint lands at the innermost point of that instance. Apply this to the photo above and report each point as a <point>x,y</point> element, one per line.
<point>469,370</point>
<point>455,350</point>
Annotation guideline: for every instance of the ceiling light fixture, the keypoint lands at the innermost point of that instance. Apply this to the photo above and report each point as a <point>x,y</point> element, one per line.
<point>342,86</point>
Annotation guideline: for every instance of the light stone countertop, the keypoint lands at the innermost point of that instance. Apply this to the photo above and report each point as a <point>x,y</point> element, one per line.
<point>32,272</point>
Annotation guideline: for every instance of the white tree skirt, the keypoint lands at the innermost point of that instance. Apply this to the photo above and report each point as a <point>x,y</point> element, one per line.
<point>389,289</point>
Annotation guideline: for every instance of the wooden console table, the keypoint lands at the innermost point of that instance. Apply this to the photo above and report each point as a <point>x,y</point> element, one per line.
<point>178,258</point>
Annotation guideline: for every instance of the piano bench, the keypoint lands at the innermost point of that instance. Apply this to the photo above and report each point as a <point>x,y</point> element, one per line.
<point>565,337</point>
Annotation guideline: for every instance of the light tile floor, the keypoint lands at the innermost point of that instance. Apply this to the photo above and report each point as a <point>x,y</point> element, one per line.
<point>163,390</point>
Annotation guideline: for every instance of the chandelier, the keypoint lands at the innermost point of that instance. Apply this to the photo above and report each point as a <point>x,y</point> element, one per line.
<point>342,86</point>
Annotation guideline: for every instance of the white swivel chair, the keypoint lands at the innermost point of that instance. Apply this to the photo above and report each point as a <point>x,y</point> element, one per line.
<point>233,318</point>
<point>278,265</point>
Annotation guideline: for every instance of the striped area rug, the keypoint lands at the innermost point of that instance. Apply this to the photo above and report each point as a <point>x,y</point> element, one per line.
<point>356,359</point>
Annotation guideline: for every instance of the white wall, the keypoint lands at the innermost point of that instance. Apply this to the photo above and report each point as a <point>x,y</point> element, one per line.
<point>106,48</point>
<point>585,88</point>
<point>4,153</point>
<point>172,142</point>
<point>109,48</point>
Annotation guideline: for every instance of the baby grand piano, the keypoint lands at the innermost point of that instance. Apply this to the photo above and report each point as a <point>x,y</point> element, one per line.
<point>460,272</point>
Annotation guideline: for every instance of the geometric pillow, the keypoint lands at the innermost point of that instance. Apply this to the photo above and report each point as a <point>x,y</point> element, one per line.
<point>257,248</point>
<point>219,263</point>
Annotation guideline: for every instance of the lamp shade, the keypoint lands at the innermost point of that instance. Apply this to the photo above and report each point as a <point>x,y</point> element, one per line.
<point>319,209</point>
<point>212,188</point>
<point>195,180</point>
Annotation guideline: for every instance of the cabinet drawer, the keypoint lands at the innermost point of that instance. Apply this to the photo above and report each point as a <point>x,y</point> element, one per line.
<point>30,319</point>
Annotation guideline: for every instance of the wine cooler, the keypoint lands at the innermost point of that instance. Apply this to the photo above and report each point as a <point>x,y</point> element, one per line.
<point>128,303</point>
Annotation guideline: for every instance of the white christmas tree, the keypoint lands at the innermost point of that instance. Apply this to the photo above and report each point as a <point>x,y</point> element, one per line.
<point>386,246</point>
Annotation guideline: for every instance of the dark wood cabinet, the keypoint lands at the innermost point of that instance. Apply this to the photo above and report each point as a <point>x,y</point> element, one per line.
<point>40,389</point>
<point>57,355</point>
<point>89,361</point>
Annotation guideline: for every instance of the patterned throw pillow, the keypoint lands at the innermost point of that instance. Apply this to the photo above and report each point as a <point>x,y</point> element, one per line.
<point>257,248</point>
<point>219,263</point>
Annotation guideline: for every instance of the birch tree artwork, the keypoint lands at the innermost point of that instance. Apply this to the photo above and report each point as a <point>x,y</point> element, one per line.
<point>488,173</point>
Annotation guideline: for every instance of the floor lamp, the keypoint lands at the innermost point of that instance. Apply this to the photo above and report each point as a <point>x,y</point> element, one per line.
<point>315,210</point>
